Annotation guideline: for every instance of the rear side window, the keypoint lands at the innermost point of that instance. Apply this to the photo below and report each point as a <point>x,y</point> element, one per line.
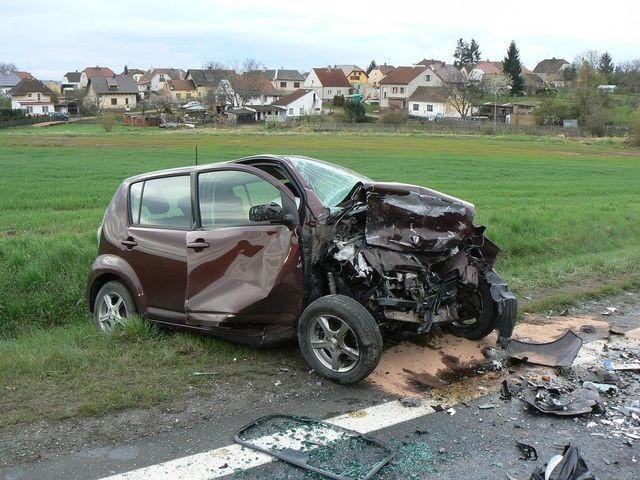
<point>162,203</point>
<point>226,196</point>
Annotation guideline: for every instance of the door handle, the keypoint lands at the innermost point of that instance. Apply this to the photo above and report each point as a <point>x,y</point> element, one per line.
<point>129,242</point>
<point>198,244</point>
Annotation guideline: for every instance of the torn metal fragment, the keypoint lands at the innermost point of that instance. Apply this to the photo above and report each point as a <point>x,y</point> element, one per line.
<point>553,401</point>
<point>528,451</point>
<point>568,466</point>
<point>559,353</point>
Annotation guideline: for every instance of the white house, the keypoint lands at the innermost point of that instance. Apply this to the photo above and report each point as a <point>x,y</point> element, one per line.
<point>299,103</point>
<point>71,81</point>
<point>154,79</point>
<point>327,83</point>
<point>399,84</point>
<point>33,96</point>
<point>431,103</point>
<point>484,67</point>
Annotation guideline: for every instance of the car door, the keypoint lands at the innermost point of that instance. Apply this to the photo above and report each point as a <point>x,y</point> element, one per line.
<point>242,272</point>
<point>160,217</point>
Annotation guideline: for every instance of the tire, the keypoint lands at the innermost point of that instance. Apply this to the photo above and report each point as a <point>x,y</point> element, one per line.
<point>123,307</point>
<point>340,339</point>
<point>483,324</point>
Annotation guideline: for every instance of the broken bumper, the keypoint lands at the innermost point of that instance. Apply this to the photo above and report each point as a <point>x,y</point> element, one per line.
<point>506,306</point>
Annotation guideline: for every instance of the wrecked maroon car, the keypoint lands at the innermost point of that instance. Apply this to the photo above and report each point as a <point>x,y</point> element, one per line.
<point>266,248</point>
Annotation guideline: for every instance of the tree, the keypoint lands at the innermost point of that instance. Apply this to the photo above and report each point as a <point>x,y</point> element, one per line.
<point>460,53</point>
<point>213,65</point>
<point>6,68</point>
<point>634,138</point>
<point>161,103</point>
<point>355,112</point>
<point>371,66</point>
<point>592,106</point>
<point>605,67</point>
<point>473,52</point>
<point>496,86</point>
<point>511,66</point>
<point>247,81</point>
<point>463,96</point>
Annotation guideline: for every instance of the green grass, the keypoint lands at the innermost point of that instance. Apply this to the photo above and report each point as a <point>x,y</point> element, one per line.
<point>566,214</point>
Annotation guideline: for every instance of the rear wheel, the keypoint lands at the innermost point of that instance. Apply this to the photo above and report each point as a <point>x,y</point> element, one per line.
<point>113,306</point>
<point>484,322</point>
<point>340,339</point>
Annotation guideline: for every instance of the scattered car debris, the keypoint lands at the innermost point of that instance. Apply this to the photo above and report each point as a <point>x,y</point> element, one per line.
<point>559,353</point>
<point>486,406</point>
<point>411,401</point>
<point>588,328</point>
<point>619,329</point>
<point>609,311</point>
<point>451,411</point>
<point>529,452</point>
<point>309,443</point>
<point>601,387</point>
<point>568,466</point>
<point>200,374</point>
<point>556,401</point>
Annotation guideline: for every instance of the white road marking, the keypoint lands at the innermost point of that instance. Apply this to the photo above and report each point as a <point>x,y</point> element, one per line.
<point>228,460</point>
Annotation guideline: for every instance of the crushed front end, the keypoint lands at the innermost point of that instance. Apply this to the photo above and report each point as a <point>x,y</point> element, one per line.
<point>414,257</point>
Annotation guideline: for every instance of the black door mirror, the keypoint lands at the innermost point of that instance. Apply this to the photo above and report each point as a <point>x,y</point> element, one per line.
<point>269,212</point>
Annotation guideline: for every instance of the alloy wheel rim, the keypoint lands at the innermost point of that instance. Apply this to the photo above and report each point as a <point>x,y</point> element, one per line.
<point>112,311</point>
<point>334,343</point>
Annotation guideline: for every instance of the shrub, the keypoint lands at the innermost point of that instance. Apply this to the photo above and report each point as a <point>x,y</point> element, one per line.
<point>355,112</point>
<point>338,101</point>
<point>551,112</point>
<point>393,117</point>
<point>634,132</point>
<point>108,123</point>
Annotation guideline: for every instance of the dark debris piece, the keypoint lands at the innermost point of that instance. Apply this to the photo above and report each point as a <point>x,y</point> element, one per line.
<point>555,401</point>
<point>571,467</point>
<point>528,451</point>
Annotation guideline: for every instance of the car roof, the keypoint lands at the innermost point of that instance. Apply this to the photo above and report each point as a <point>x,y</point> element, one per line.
<point>195,168</point>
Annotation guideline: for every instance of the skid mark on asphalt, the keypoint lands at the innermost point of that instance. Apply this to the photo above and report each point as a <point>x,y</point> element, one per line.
<point>233,458</point>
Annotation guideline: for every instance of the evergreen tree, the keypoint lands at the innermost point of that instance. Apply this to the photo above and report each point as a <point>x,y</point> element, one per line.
<point>474,51</point>
<point>460,53</point>
<point>605,66</point>
<point>371,66</point>
<point>511,66</point>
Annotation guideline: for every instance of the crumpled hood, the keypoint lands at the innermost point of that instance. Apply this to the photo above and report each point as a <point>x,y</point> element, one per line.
<point>406,218</point>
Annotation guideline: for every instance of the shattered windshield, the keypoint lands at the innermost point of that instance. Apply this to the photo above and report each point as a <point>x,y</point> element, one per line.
<point>330,182</point>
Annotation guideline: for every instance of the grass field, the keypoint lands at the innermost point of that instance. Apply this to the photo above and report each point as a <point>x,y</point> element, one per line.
<point>566,214</point>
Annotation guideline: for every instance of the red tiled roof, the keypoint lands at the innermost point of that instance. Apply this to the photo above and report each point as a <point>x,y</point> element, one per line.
<point>402,75</point>
<point>488,67</point>
<point>187,85</point>
<point>332,77</point>
<point>98,72</point>
<point>292,97</point>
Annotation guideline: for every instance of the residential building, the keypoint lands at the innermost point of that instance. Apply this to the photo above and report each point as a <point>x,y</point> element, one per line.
<point>113,93</point>
<point>180,91</point>
<point>7,82</point>
<point>94,72</point>
<point>134,73</point>
<point>431,62</point>
<point>54,86</point>
<point>154,79</point>
<point>482,68</point>
<point>373,81</point>
<point>450,74</point>
<point>285,80</point>
<point>533,84</point>
<point>431,103</point>
<point>209,80</point>
<point>327,83</point>
<point>255,88</point>
<point>71,81</point>
<point>400,83</point>
<point>32,96</point>
<point>550,71</point>
<point>25,75</point>
<point>299,103</point>
<point>357,77</point>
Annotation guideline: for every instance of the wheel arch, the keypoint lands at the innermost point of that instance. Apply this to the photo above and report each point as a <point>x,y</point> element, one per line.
<point>107,268</point>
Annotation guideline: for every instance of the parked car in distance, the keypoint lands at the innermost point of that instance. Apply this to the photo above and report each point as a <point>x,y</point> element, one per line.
<point>58,116</point>
<point>270,247</point>
<point>191,105</point>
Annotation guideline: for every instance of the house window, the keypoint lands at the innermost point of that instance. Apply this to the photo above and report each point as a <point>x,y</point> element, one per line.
<point>429,108</point>
<point>39,97</point>
<point>114,101</point>
<point>428,78</point>
<point>126,101</point>
<point>338,92</point>
<point>329,92</point>
<point>29,94</point>
<point>301,110</point>
<point>385,94</point>
<point>401,89</point>
<point>161,77</point>
<point>29,109</point>
<point>296,84</point>
<point>291,111</point>
<point>45,109</point>
<point>188,94</point>
<point>199,94</point>
<point>394,90</point>
<point>178,96</point>
<point>283,84</point>
<point>416,107</point>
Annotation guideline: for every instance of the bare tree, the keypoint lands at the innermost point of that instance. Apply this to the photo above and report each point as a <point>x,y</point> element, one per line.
<point>92,103</point>
<point>497,86</point>
<point>6,68</point>
<point>248,81</point>
<point>213,65</point>
<point>463,96</point>
<point>161,103</point>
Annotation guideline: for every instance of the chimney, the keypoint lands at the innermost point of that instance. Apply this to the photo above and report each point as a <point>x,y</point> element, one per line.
<point>126,71</point>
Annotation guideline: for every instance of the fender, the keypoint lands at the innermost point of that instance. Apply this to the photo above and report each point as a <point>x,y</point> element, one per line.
<point>116,266</point>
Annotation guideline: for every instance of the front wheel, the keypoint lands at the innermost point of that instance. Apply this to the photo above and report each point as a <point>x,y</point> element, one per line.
<point>340,339</point>
<point>483,322</point>
<point>113,306</point>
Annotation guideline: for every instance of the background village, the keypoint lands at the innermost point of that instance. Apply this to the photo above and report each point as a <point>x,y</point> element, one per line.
<point>590,93</point>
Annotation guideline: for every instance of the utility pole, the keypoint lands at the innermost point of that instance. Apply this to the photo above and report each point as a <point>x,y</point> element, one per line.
<point>196,154</point>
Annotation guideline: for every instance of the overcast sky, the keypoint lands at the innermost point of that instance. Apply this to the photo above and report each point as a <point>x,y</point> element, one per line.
<point>50,38</point>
